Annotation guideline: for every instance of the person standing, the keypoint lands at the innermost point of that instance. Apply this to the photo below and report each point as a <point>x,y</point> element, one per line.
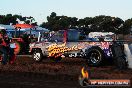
<point>3,47</point>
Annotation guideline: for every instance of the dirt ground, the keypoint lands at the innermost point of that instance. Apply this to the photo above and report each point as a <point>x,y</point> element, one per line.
<point>25,73</point>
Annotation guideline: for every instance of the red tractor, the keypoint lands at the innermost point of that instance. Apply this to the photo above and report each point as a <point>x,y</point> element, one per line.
<point>21,38</point>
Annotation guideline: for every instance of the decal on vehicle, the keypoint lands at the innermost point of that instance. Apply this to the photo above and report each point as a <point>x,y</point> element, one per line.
<point>56,50</point>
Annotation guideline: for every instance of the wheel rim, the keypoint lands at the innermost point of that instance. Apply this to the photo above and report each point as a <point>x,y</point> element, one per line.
<point>95,57</point>
<point>37,56</point>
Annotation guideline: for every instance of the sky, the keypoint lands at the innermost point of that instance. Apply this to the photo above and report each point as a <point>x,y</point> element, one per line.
<point>40,9</point>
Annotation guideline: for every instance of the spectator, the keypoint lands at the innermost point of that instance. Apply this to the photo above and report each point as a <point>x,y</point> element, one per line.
<point>8,53</point>
<point>3,47</point>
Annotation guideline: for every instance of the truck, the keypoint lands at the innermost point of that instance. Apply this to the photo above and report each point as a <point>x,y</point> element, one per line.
<point>70,43</point>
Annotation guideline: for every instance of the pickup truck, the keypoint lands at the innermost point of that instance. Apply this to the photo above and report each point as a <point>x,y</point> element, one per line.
<point>70,43</point>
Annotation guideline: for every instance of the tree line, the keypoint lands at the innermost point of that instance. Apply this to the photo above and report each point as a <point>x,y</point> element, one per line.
<point>9,18</point>
<point>99,23</point>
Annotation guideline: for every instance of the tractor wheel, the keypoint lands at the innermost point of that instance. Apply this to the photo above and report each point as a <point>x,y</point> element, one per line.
<point>121,62</point>
<point>18,48</point>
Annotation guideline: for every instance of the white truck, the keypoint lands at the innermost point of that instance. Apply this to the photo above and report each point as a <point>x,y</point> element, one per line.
<point>69,43</point>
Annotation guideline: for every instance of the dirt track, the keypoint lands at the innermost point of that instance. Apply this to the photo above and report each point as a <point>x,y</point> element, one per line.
<point>25,73</point>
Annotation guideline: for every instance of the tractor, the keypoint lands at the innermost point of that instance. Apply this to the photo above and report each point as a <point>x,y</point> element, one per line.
<point>21,38</point>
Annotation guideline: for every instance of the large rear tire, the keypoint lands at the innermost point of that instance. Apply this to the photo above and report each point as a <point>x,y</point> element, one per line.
<point>121,62</point>
<point>95,56</point>
<point>18,48</point>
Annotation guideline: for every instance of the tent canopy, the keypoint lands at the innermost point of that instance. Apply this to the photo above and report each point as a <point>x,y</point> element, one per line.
<point>22,26</point>
<point>2,27</point>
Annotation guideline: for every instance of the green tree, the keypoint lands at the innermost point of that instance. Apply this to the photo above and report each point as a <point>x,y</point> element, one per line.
<point>127,26</point>
<point>99,23</point>
<point>73,22</point>
<point>9,18</point>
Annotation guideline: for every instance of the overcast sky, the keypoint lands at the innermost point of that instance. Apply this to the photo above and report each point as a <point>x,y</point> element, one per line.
<point>40,9</point>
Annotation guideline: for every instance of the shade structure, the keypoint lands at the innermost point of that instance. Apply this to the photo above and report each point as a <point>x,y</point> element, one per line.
<point>24,26</point>
<point>1,28</point>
